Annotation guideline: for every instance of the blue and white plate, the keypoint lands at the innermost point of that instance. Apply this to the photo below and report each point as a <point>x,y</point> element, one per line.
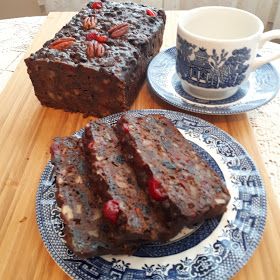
<point>216,249</point>
<point>262,85</point>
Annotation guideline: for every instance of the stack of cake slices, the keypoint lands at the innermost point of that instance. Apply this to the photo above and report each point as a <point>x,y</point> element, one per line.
<point>138,182</point>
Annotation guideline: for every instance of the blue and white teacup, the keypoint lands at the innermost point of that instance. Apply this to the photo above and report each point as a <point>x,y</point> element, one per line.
<point>216,50</point>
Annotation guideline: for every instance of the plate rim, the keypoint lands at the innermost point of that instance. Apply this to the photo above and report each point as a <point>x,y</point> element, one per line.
<point>241,262</point>
<point>204,110</point>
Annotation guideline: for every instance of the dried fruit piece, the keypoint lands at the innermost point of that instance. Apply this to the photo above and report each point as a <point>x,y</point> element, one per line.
<point>169,164</point>
<point>96,5</point>
<point>118,30</point>
<point>155,190</point>
<point>102,38</point>
<point>90,36</point>
<point>95,49</point>
<point>89,22</point>
<point>54,149</point>
<point>62,43</point>
<point>91,145</point>
<point>97,37</point>
<point>151,13</point>
<point>125,127</point>
<point>111,210</point>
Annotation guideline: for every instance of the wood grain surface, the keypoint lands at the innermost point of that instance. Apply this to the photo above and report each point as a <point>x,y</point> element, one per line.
<point>26,130</point>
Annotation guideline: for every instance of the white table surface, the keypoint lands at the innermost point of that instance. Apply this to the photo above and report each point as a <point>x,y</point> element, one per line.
<point>16,35</point>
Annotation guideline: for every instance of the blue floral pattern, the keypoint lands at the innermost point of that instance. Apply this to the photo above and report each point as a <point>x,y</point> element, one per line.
<point>228,247</point>
<point>214,70</point>
<point>263,85</point>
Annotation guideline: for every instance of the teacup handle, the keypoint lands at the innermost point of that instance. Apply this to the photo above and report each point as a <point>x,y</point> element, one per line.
<point>267,36</point>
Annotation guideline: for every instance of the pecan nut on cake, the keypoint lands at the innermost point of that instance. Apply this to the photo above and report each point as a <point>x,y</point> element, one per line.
<point>97,62</point>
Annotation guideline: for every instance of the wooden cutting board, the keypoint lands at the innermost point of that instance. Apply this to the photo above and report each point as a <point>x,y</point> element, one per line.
<point>26,130</point>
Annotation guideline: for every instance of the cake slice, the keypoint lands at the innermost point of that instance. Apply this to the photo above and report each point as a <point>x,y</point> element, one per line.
<point>175,177</point>
<point>125,204</point>
<point>86,232</point>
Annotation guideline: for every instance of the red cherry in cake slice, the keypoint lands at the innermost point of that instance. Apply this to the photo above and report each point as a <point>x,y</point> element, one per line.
<point>155,190</point>
<point>111,210</point>
<point>125,127</point>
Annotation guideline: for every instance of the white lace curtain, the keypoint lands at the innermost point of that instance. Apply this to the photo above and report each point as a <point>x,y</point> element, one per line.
<point>267,10</point>
<point>75,5</point>
<point>62,5</point>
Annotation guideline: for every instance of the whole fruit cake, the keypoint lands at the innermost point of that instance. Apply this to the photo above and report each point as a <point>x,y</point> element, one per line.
<point>97,62</point>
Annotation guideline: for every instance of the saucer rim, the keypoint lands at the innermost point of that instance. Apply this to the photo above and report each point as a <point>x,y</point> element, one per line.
<point>205,110</point>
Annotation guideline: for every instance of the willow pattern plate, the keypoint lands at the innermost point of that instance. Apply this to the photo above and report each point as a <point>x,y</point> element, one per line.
<point>216,249</point>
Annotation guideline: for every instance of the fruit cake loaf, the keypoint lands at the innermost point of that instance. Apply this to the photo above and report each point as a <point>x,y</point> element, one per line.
<point>97,62</point>
<point>170,170</point>
<point>125,204</point>
<point>86,233</point>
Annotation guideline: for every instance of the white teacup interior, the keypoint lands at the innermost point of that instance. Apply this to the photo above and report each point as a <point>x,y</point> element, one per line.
<point>221,23</point>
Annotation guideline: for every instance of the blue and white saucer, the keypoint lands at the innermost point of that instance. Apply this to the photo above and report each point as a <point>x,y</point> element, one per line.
<point>216,249</point>
<point>262,85</point>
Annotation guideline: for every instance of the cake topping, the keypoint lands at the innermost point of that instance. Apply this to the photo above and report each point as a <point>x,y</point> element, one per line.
<point>151,13</point>
<point>97,37</point>
<point>128,51</point>
<point>62,43</point>
<point>96,5</point>
<point>119,30</point>
<point>95,49</point>
<point>89,22</point>
<point>111,210</point>
<point>155,190</point>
